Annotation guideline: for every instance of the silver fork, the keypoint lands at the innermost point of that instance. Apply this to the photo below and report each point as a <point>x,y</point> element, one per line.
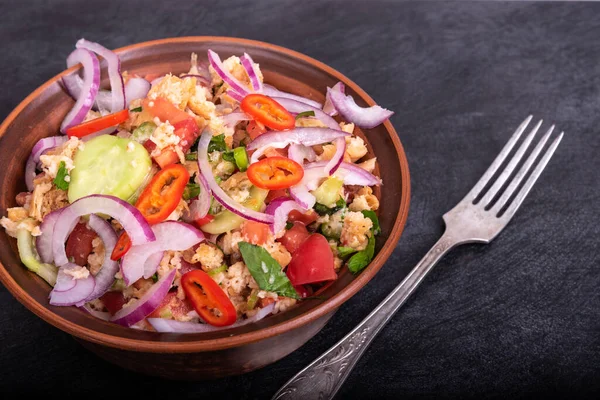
<point>478,218</point>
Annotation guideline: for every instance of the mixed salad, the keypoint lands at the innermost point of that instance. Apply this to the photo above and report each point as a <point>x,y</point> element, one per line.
<point>195,202</point>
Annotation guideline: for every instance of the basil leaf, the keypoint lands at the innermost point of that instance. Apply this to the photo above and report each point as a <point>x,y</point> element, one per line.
<point>360,260</point>
<point>217,143</point>
<point>228,156</point>
<point>137,109</point>
<point>266,270</point>
<point>323,209</point>
<point>305,114</point>
<point>343,252</point>
<point>191,190</point>
<point>373,217</point>
<point>62,173</point>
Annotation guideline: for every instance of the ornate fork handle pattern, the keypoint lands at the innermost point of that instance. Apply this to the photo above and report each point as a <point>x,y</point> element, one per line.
<point>324,376</point>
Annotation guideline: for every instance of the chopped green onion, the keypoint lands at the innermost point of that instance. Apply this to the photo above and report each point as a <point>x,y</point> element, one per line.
<point>191,157</point>
<point>253,299</point>
<point>61,180</point>
<point>305,114</point>
<point>218,270</point>
<point>144,131</point>
<point>241,158</point>
<point>137,109</point>
<point>155,277</point>
<point>191,190</point>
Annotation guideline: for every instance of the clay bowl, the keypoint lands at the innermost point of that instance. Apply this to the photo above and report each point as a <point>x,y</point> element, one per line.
<point>209,355</point>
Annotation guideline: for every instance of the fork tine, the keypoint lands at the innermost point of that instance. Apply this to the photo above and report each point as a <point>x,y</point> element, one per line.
<point>522,172</point>
<point>514,206</point>
<point>473,193</point>
<point>493,191</point>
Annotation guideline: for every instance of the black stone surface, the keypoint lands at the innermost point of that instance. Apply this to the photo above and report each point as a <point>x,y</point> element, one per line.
<point>517,318</point>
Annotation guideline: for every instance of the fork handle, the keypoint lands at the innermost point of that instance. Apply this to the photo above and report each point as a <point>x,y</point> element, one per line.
<point>324,376</point>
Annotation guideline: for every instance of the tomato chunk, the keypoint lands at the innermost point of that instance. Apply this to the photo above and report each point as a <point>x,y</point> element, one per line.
<point>273,194</point>
<point>207,297</point>
<point>294,237</point>
<point>306,218</point>
<point>255,232</point>
<point>255,129</point>
<point>312,262</point>
<point>275,173</point>
<point>172,307</point>
<point>79,244</point>
<point>268,112</point>
<point>113,301</point>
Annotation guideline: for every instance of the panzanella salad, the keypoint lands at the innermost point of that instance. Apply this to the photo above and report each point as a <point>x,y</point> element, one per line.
<point>195,202</point>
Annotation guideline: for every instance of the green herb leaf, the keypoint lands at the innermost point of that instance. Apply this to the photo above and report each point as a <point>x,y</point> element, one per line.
<point>360,260</point>
<point>217,143</point>
<point>288,225</point>
<point>155,277</point>
<point>191,190</point>
<point>191,157</point>
<point>228,156</point>
<point>324,210</point>
<point>373,217</point>
<point>266,270</point>
<point>305,114</point>
<point>344,252</point>
<point>62,173</point>
<point>137,109</point>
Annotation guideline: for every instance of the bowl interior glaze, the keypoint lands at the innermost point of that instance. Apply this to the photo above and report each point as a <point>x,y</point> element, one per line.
<point>40,114</point>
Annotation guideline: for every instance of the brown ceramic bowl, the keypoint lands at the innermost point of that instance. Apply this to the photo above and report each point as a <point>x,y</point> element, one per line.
<point>207,355</point>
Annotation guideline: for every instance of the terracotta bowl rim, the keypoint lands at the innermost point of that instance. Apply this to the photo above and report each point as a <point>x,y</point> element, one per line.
<point>318,311</point>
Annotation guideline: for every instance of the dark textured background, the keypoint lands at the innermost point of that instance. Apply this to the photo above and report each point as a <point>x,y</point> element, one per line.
<point>516,318</point>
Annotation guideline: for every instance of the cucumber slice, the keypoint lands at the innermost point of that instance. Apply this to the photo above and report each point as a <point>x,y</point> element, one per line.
<point>31,260</point>
<point>226,220</point>
<point>329,191</point>
<point>109,165</point>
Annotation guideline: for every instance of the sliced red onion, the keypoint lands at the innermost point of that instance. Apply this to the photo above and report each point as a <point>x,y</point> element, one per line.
<point>149,302</point>
<point>274,92</point>
<point>40,147</point>
<point>129,217</point>
<point>156,81</point>
<point>75,294</point>
<point>170,325</point>
<point>107,131</point>
<point>233,118</point>
<point>105,316</point>
<point>279,208</point>
<point>106,276</point>
<point>340,143</point>
<point>252,72</point>
<point>280,139</point>
<point>218,193</point>
<point>299,153</point>
<point>117,87</point>
<point>349,173</point>
<point>201,205</point>
<point>368,117</point>
<point>152,262</point>
<point>136,88</point>
<point>91,84</point>
<point>199,78</point>
<point>328,108</point>
<point>235,95</point>
<point>170,235</point>
<point>43,243</point>
<point>215,62</point>
<point>73,84</point>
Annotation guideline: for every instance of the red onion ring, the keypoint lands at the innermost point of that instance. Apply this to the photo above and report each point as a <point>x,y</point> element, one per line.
<point>235,95</point>
<point>40,147</point>
<point>368,117</point>
<point>201,205</point>
<point>299,153</point>
<point>328,108</point>
<point>170,325</point>
<point>233,118</point>
<point>279,208</point>
<point>280,139</point>
<point>149,302</point>
<point>136,88</point>
<point>218,193</point>
<point>106,276</point>
<point>129,217</point>
<point>43,243</point>
<point>91,84</point>
<point>170,235</point>
<point>105,316</point>
<point>252,72</point>
<point>237,86</point>
<point>117,87</point>
<point>67,294</point>
<point>274,92</point>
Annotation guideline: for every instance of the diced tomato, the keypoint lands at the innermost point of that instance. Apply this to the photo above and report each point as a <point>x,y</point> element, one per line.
<point>294,237</point>
<point>267,111</point>
<point>164,110</point>
<point>306,218</point>
<point>303,291</point>
<point>113,301</point>
<point>172,306</point>
<point>204,220</point>
<point>255,232</point>
<point>187,130</point>
<point>273,194</point>
<point>79,245</point>
<point>272,152</point>
<point>266,301</point>
<point>312,262</point>
<point>255,129</point>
